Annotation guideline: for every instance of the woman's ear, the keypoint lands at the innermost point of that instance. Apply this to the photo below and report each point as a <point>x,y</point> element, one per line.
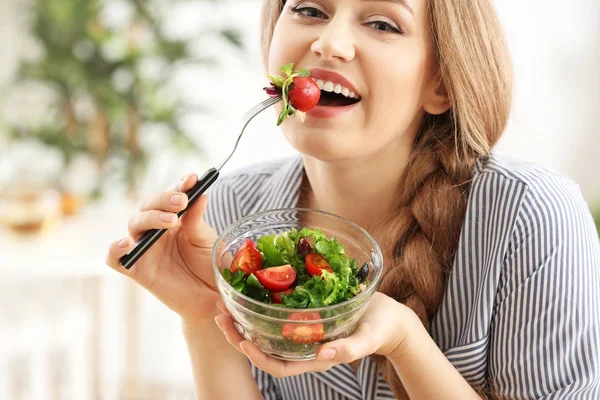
<point>437,101</point>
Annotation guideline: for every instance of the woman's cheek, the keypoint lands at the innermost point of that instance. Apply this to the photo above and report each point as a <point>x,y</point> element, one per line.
<point>280,50</point>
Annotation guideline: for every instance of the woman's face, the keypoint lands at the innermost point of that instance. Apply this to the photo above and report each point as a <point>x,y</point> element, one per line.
<point>379,49</point>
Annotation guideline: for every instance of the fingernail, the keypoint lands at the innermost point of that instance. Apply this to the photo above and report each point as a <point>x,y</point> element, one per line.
<point>327,354</point>
<point>124,243</point>
<point>177,199</point>
<point>167,217</point>
<point>218,324</point>
<point>185,177</point>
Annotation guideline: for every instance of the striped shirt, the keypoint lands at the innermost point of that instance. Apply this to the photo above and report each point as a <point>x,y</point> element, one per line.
<point>521,309</point>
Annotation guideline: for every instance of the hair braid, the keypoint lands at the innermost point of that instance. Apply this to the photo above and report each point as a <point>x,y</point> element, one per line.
<point>432,204</point>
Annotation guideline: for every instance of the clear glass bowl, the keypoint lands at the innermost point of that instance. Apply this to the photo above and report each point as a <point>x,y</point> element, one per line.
<point>263,323</point>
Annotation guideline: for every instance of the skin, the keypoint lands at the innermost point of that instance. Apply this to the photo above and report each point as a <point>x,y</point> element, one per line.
<point>394,73</point>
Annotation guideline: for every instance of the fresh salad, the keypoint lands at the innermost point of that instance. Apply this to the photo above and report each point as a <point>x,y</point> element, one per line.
<point>296,269</point>
<point>299,92</point>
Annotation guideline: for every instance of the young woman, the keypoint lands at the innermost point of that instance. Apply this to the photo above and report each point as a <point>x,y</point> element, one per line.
<point>492,267</point>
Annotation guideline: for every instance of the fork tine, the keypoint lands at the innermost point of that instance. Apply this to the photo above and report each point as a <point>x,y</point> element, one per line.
<point>271,101</point>
<point>247,118</point>
<point>259,108</point>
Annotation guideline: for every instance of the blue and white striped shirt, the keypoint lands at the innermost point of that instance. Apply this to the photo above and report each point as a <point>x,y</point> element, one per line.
<point>522,306</point>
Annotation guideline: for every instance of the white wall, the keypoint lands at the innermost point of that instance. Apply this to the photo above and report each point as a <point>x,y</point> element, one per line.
<point>556,53</point>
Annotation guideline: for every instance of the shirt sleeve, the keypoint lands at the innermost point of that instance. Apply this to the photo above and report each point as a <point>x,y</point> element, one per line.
<point>266,384</point>
<point>545,333</point>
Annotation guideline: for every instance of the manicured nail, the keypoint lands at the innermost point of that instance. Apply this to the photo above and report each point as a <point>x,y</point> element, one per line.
<point>219,324</point>
<point>124,242</point>
<point>177,200</point>
<point>327,354</point>
<point>242,345</point>
<point>185,177</point>
<point>167,217</point>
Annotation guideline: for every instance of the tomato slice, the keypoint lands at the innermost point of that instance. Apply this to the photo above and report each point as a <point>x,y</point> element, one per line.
<point>316,264</point>
<point>247,258</point>
<point>276,296</point>
<point>303,333</point>
<point>277,278</point>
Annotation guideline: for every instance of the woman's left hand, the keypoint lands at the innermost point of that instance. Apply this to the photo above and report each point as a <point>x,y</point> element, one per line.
<point>384,329</point>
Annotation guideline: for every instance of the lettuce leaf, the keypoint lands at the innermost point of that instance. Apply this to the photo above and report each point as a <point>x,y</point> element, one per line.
<point>272,257</point>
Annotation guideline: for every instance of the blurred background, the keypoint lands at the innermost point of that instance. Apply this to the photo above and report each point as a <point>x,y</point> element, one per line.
<point>104,102</point>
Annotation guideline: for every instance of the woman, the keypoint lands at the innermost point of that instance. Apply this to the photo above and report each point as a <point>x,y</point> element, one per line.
<point>492,266</point>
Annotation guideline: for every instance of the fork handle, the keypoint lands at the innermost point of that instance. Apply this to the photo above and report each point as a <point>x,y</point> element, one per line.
<point>151,236</point>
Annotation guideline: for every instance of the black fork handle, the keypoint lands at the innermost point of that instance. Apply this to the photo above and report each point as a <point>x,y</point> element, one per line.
<point>151,236</point>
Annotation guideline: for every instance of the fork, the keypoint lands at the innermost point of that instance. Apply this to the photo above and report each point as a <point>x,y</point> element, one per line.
<point>151,236</point>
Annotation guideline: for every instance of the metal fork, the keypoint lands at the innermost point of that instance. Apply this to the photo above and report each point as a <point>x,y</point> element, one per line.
<point>151,236</point>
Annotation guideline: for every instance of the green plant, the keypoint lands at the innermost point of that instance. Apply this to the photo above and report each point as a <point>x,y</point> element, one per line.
<point>85,59</point>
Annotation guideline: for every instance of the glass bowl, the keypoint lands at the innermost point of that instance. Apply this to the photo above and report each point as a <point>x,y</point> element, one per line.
<point>264,324</point>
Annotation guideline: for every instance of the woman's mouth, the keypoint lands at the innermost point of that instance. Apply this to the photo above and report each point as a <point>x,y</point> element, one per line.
<point>335,95</point>
<point>335,100</point>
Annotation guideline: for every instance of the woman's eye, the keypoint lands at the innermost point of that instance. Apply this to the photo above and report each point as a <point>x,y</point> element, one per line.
<point>310,12</point>
<point>385,27</point>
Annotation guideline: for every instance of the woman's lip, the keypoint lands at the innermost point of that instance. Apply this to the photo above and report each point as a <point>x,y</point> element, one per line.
<point>329,111</point>
<point>317,73</point>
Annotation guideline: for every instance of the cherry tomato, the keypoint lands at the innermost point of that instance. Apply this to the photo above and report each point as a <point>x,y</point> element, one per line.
<point>303,333</point>
<point>247,258</point>
<point>304,94</point>
<point>276,278</point>
<point>316,264</point>
<point>276,296</point>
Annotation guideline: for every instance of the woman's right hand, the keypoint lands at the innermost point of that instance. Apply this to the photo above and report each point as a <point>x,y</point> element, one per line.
<point>177,269</point>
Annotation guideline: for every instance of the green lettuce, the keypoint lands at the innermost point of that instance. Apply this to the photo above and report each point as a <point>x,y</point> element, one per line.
<point>310,291</point>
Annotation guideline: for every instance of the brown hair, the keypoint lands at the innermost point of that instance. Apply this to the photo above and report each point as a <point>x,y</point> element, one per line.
<point>475,69</point>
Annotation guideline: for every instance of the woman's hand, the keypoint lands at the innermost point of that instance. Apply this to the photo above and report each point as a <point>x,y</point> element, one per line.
<point>177,268</point>
<point>384,329</point>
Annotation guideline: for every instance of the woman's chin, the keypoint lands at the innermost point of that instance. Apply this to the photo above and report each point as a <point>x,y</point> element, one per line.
<point>323,144</point>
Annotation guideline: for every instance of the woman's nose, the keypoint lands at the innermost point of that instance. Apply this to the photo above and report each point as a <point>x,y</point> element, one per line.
<point>335,42</point>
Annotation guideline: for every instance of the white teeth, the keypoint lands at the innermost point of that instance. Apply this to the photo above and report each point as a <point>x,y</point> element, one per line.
<point>329,86</point>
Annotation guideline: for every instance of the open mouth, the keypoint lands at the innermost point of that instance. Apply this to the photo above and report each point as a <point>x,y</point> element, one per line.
<point>335,95</point>
<point>329,99</point>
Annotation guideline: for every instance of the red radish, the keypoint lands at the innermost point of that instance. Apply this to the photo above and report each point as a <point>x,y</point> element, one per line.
<point>304,93</point>
<point>299,92</point>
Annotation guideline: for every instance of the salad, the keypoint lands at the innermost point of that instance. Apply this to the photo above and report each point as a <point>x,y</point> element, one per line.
<point>296,269</point>
<point>299,92</point>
